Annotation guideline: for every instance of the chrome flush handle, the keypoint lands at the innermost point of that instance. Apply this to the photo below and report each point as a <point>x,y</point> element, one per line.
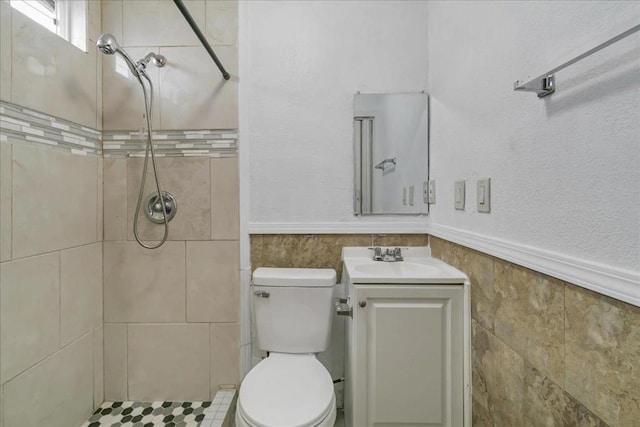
<point>263,294</point>
<point>343,308</point>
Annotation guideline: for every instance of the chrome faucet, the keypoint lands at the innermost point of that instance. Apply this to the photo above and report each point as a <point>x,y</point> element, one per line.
<point>390,255</point>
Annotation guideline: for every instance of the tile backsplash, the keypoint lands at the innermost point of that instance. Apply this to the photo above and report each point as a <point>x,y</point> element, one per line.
<point>319,250</point>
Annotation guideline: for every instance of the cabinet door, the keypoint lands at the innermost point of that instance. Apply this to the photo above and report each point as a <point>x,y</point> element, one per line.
<point>411,341</point>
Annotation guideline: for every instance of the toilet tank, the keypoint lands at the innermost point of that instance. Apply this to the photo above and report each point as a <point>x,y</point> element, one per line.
<point>293,308</point>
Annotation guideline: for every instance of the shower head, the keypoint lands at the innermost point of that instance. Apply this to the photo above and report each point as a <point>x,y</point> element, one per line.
<point>107,44</point>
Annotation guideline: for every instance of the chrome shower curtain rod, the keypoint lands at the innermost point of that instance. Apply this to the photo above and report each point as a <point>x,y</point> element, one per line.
<point>201,37</point>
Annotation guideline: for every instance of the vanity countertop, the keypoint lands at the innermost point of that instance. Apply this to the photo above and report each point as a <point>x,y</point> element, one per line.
<point>417,267</point>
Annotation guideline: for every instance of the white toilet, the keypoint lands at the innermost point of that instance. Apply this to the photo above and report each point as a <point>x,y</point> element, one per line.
<point>293,309</point>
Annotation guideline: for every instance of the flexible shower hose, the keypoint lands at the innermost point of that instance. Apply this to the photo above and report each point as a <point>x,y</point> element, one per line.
<point>148,105</point>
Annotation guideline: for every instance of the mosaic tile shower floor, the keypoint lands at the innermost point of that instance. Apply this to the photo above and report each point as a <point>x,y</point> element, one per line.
<point>162,414</point>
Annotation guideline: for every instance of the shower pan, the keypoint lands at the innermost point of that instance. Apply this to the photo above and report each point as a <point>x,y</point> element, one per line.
<point>160,206</point>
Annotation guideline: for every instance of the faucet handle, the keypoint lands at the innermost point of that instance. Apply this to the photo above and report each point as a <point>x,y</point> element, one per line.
<point>377,254</point>
<point>397,254</point>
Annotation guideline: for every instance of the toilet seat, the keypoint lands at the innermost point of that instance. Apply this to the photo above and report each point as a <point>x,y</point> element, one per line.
<point>292,390</point>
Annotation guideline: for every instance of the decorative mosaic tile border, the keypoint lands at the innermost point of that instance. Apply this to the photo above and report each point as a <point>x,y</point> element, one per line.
<point>22,125</point>
<point>165,414</point>
<point>172,143</point>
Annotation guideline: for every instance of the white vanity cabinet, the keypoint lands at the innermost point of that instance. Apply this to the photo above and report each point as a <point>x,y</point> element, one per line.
<point>407,358</point>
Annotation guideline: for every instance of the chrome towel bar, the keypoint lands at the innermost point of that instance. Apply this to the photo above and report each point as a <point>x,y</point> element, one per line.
<point>545,85</point>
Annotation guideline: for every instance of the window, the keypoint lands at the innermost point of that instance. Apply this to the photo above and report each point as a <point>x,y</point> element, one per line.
<point>66,18</point>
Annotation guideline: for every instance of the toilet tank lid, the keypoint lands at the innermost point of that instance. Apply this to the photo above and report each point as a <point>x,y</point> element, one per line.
<point>294,277</point>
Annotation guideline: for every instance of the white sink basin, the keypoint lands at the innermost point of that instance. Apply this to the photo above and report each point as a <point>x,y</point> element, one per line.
<point>396,269</point>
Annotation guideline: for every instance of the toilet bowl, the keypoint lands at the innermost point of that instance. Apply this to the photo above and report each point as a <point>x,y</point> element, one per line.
<point>287,390</point>
<point>293,311</point>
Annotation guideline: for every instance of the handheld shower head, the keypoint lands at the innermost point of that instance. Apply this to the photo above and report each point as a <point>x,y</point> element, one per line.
<point>107,44</point>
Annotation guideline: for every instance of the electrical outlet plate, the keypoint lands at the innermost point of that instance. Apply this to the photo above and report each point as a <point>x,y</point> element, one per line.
<point>459,195</point>
<point>411,194</point>
<point>484,195</point>
<point>431,192</point>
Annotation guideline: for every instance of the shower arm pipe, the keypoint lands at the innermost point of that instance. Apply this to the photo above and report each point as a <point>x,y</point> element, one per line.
<point>201,37</point>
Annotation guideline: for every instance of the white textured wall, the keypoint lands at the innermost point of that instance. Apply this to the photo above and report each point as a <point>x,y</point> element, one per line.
<point>565,170</point>
<point>304,61</point>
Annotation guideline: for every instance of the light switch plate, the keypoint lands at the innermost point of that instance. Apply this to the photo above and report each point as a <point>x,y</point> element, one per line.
<point>425,192</point>
<point>459,195</point>
<point>404,196</point>
<point>484,195</point>
<point>431,192</point>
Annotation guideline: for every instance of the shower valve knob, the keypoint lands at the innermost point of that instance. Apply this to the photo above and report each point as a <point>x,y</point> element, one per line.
<point>154,211</point>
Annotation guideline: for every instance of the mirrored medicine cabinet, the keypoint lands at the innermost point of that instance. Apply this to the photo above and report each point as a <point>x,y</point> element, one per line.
<point>391,148</point>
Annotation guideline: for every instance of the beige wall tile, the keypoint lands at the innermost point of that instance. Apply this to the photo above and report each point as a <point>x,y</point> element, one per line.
<point>480,269</point>
<point>56,393</point>
<point>99,108</point>
<point>94,13</point>
<point>115,200</point>
<point>530,317</point>
<point>498,378</point>
<point>602,346</point>
<point>193,93</point>
<point>122,96</point>
<point>142,285</point>
<point>54,199</point>
<point>100,200</point>
<point>400,240</point>
<point>303,250</point>
<point>95,29</point>
<point>480,415</point>
<point>256,242</point>
<point>168,362</point>
<point>5,51</point>
<point>146,23</point>
<point>112,17</point>
<point>576,414</point>
<point>225,199</point>
<point>30,312</point>
<point>5,200</point>
<point>448,252</point>
<point>578,347</point>
<point>225,355</point>
<point>51,75</point>
<point>115,362</point>
<point>80,291</point>
<point>213,281</point>
<point>543,403</point>
<point>98,366</point>
<point>222,22</point>
<point>187,178</point>
<point>547,404</point>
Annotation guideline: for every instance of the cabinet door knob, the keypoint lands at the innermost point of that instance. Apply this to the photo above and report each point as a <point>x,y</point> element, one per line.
<point>362,303</point>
